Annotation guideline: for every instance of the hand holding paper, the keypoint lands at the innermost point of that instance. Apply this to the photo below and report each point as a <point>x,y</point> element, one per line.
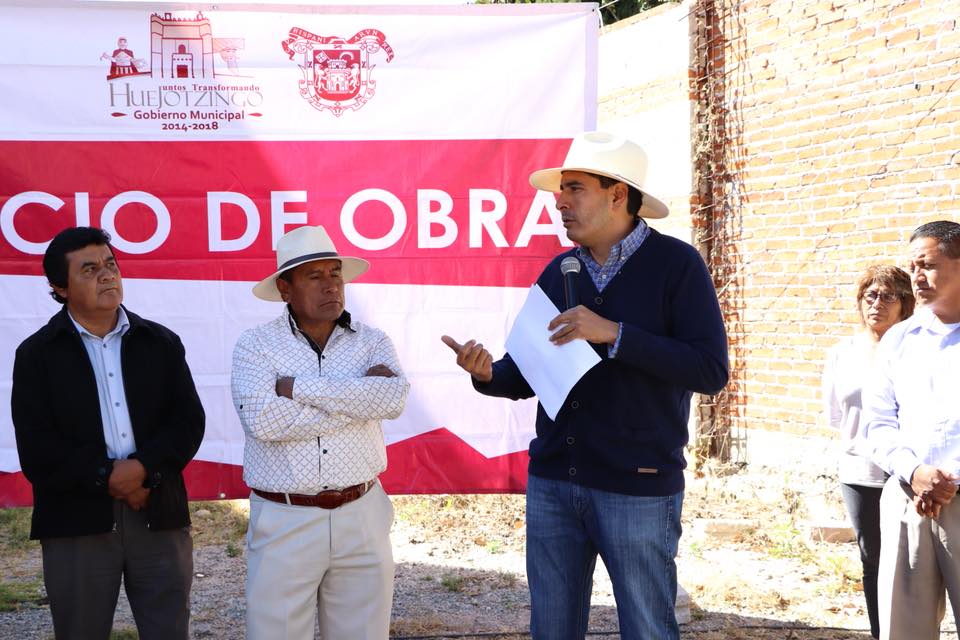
<point>551,369</point>
<point>580,322</point>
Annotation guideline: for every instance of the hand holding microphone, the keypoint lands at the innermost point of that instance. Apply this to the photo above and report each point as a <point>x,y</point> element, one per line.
<point>570,269</point>
<point>578,322</point>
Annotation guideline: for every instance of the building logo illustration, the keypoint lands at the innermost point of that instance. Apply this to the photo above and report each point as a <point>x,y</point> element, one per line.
<point>191,81</point>
<point>180,49</point>
<point>337,72</point>
<point>123,64</point>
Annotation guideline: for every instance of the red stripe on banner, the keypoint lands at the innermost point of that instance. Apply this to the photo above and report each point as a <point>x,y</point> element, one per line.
<point>440,462</point>
<point>434,462</point>
<point>394,185</point>
<point>214,481</point>
<point>15,491</point>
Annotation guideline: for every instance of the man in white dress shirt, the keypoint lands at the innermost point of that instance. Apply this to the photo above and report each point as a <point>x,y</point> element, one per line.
<point>311,389</point>
<point>912,413</point>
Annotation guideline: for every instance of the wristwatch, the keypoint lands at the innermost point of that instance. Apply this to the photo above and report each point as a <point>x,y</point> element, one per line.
<point>152,481</point>
<point>103,473</point>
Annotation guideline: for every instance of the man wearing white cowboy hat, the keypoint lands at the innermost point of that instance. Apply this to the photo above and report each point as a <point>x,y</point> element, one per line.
<point>311,389</point>
<point>607,475</point>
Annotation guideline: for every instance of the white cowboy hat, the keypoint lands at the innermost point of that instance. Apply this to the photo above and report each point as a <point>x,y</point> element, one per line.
<point>302,245</point>
<point>606,155</point>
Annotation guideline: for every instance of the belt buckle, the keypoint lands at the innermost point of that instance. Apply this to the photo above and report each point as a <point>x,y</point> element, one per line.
<point>330,499</point>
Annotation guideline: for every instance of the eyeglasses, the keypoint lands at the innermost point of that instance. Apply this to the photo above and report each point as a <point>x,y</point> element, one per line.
<point>888,297</point>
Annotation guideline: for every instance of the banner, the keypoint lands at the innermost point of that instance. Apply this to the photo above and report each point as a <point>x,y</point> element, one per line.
<point>198,138</point>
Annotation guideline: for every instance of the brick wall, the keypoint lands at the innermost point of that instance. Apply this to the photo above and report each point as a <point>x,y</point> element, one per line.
<point>833,130</point>
<point>842,133</point>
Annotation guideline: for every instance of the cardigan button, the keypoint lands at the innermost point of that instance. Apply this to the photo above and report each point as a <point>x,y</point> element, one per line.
<point>575,404</point>
<point>570,440</point>
<point>572,471</point>
<point>598,300</point>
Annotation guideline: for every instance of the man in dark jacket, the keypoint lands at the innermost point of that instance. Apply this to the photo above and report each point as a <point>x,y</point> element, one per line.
<point>106,417</point>
<point>606,475</point>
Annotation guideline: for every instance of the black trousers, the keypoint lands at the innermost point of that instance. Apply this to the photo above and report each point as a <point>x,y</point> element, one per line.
<point>863,506</point>
<point>82,575</point>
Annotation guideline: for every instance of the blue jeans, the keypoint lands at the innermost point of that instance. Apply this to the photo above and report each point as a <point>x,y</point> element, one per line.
<point>637,538</point>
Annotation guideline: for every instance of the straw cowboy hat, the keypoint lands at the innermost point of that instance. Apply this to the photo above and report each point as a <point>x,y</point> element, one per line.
<point>606,155</point>
<point>302,245</point>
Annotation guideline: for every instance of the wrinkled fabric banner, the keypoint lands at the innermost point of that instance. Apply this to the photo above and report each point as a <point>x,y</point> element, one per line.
<point>198,138</point>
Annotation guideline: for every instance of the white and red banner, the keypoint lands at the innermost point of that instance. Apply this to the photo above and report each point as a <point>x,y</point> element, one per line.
<point>197,138</point>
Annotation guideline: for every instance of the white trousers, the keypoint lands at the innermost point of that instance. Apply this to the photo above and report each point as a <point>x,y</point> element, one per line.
<point>919,559</point>
<point>304,562</point>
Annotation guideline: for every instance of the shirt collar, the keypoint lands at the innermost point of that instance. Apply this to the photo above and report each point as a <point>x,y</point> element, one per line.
<point>931,323</point>
<point>344,321</point>
<point>621,251</point>
<point>123,324</point>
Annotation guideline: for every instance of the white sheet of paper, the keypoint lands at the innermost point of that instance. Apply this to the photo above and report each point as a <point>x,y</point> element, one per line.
<point>550,370</point>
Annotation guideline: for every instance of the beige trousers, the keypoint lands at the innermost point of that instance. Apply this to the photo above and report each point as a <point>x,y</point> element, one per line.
<point>919,558</point>
<point>305,562</point>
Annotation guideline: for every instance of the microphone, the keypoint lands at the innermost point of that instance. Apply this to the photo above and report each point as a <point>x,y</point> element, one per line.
<point>570,268</point>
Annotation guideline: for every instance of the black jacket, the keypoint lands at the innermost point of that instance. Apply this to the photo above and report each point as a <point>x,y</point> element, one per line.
<point>56,417</point>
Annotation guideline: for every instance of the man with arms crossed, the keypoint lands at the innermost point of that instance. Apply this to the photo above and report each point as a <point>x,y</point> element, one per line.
<point>607,476</point>
<point>912,412</point>
<point>311,388</point>
<point>106,417</point>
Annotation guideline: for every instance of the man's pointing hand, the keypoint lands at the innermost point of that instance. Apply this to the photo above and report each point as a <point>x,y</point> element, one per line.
<point>472,358</point>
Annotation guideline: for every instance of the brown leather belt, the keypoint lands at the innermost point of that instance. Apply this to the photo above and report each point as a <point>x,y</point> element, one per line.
<point>325,499</point>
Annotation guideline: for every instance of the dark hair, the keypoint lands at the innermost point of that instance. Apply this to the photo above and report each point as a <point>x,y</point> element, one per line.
<point>55,257</point>
<point>947,234</point>
<point>634,195</point>
<point>890,277</point>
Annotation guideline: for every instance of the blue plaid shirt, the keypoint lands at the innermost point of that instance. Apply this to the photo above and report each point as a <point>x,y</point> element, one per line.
<point>602,274</point>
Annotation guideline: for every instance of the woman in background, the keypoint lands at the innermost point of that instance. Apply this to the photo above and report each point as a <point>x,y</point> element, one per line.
<point>884,298</point>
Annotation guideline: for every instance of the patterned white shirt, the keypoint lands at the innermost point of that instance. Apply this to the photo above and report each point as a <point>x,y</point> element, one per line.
<point>911,405</point>
<point>329,436</point>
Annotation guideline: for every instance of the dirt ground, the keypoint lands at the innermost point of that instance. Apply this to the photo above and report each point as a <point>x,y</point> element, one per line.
<point>747,561</point>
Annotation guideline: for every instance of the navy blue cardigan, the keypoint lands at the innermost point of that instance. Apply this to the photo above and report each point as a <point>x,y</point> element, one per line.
<point>624,425</point>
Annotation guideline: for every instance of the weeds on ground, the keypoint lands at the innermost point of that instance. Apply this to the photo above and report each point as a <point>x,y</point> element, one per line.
<point>784,540</point>
<point>431,625</point>
<point>473,583</point>
<point>416,509</point>
<point>15,531</point>
<point>734,591</point>
<point>219,522</point>
<point>844,573</point>
<point>124,633</point>
<point>696,549</point>
<point>412,508</point>
<point>22,594</point>
<point>452,582</point>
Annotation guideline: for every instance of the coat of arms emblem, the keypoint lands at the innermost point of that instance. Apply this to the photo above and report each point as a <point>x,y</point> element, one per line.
<point>336,71</point>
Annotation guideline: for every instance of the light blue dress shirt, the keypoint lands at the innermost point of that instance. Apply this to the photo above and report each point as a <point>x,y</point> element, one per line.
<point>911,403</point>
<point>602,274</point>
<point>104,354</point>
